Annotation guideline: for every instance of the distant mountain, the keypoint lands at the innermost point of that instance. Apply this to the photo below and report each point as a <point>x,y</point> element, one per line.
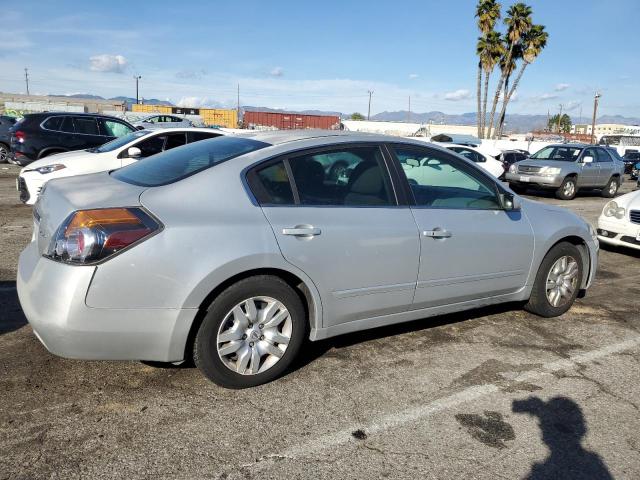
<point>128,100</point>
<point>619,119</point>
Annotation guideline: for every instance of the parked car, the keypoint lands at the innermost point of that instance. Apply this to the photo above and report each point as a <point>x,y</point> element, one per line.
<point>163,121</point>
<point>619,223</point>
<point>40,135</point>
<point>509,157</point>
<point>234,250</point>
<point>114,154</point>
<point>566,168</point>
<point>635,172</point>
<point>630,159</point>
<point>6,123</point>
<point>490,164</point>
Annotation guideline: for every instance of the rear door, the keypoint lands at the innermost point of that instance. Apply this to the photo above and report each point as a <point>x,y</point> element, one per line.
<point>605,166</point>
<point>347,233</point>
<point>470,247</point>
<point>590,172</point>
<point>87,132</point>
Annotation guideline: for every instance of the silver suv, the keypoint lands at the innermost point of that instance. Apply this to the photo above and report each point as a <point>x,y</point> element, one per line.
<point>234,251</point>
<point>567,168</point>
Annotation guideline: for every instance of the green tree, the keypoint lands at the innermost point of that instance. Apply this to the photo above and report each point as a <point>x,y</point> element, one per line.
<point>356,116</point>
<point>532,44</point>
<point>564,123</point>
<point>487,13</point>
<point>518,22</point>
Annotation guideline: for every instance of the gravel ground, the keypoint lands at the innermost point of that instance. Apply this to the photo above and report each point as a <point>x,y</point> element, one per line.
<point>492,393</point>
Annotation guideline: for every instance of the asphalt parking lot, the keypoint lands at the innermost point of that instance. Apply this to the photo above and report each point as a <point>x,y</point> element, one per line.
<point>492,393</point>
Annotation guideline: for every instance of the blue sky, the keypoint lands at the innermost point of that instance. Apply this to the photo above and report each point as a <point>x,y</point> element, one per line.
<point>326,55</point>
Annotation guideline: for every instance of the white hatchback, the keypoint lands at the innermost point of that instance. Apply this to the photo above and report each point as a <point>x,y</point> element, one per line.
<point>619,223</point>
<point>110,156</point>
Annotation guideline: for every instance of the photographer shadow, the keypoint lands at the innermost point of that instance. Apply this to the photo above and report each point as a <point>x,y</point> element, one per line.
<point>563,428</point>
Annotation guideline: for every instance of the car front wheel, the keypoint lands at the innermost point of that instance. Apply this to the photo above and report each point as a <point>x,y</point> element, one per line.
<point>251,333</point>
<point>557,282</point>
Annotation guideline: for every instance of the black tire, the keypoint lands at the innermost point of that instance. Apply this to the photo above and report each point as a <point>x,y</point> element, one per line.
<point>565,192</point>
<point>4,153</point>
<point>611,188</point>
<point>519,189</point>
<point>538,302</point>
<point>205,353</point>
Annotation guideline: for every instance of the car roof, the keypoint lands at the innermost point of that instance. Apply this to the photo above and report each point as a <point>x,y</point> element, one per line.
<point>574,145</point>
<point>75,114</point>
<point>156,131</point>
<point>277,137</point>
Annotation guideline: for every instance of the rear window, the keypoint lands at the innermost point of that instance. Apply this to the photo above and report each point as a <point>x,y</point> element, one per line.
<point>176,164</point>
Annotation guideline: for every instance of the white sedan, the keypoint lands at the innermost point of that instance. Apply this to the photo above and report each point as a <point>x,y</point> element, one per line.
<point>619,223</point>
<point>110,156</point>
<point>490,164</point>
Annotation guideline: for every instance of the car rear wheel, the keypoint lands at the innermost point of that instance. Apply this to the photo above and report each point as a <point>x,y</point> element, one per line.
<point>4,153</point>
<point>611,188</point>
<point>568,189</point>
<point>557,282</point>
<point>251,333</point>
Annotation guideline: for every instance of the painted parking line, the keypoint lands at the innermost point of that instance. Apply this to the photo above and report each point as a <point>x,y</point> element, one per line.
<point>405,417</point>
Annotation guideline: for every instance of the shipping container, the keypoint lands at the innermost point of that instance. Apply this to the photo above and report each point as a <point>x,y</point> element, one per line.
<point>289,121</point>
<point>219,117</point>
<point>143,108</point>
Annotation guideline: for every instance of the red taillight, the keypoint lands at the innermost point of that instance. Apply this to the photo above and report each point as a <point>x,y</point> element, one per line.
<point>20,136</point>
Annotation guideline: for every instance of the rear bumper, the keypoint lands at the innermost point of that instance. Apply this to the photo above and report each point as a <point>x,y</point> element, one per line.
<point>538,180</point>
<point>52,296</point>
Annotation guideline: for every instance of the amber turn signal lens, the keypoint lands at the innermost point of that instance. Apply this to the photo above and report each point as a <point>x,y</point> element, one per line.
<point>101,217</point>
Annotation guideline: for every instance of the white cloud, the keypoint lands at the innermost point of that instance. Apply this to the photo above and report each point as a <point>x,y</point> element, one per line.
<point>413,76</point>
<point>276,72</point>
<point>108,63</point>
<point>562,86</point>
<point>572,105</point>
<point>546,96</point>
<point>191,74</point>
<point>461,94</point>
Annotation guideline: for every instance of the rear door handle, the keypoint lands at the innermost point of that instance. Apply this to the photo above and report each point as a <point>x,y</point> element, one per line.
<point>299,231</point>
<point>437,233</point>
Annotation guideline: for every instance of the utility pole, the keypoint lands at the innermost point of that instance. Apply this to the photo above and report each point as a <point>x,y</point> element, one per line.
<point>26,78</point>
<point>409,112</point>
<point>559,119</point>
<point>593,120</point>
<point>238,107</point>
<point>369,111</point>
<point>137,79</point>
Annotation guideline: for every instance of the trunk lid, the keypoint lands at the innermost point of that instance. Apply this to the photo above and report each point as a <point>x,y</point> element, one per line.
<point>62,196</point>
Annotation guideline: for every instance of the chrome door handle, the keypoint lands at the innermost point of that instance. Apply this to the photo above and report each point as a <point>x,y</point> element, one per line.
<point>301,231</point>
<point>437,233</point>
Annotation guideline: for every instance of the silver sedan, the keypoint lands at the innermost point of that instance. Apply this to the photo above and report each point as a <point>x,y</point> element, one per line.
<point>234,251</point>
<point>163,121</point>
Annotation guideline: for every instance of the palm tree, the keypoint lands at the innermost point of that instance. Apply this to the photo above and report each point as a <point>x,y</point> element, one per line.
<point>507,70</point>
<point>532,44</point>
<point>518,23</point>
<point>490,49</point>
<point>487,13</point>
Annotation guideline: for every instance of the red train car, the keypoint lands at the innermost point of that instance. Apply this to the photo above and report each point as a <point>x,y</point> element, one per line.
<point>289,121</point>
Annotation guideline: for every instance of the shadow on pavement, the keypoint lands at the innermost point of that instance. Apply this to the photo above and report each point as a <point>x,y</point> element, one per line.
<point>11,316</point>
<point>563,427</point>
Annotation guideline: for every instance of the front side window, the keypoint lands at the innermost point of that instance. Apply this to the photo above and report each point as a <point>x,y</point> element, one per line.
<point>557,153</point>
<point>469,154</point>
<point>151,146</point>
<point>86,126</point>
<point>438,180</point>
<point>351,176</point>
<point>175,140</point>
<point>112,128</point>
<point>197,136</point>
<point>174,165</point>
<point>122,141</point>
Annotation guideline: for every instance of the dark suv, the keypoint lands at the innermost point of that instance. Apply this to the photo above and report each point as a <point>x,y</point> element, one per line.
<point>39,135</point>
<point>5,124</point>
<point>630,158</point>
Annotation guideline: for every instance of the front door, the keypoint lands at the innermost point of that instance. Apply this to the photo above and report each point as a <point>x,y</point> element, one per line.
<point>470,247</point>
<point>346,232</point>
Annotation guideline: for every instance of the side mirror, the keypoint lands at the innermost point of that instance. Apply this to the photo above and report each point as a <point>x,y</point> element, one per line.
<point>134,152</point>
<point>587,159</point>
<point>510,202</point>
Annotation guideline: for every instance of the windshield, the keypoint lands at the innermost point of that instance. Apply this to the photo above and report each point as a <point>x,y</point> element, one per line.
<point>178,163</point>
<point>119,142</point>
<point>558,153</point>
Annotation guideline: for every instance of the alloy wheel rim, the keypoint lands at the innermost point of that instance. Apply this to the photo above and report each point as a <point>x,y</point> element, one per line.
<point>254,335</point>
<point>562,281</point>
<point>3,154</point>
<point>569,189</point>
<point>612,188</point>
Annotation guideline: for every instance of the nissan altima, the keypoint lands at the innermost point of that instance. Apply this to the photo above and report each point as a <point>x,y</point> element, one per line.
<point>234,251</point>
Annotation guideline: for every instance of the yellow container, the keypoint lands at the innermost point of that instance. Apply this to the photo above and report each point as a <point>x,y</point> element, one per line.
<point>150,108</point>
<point>219,117</point>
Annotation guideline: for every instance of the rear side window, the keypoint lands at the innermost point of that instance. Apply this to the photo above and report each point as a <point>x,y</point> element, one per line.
<point>67,125</point>
<point>177,164</point>
<point>197,136</point>
<point>271,185</point>
<point>111,128</point>
<point>53,123</point>
<point>86,126</point>
<point>603,155</point>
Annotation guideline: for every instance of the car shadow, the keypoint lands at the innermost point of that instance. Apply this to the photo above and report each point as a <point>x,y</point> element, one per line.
<point>11,316</point>
<point>311,351</point>
<point>563,428</point>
